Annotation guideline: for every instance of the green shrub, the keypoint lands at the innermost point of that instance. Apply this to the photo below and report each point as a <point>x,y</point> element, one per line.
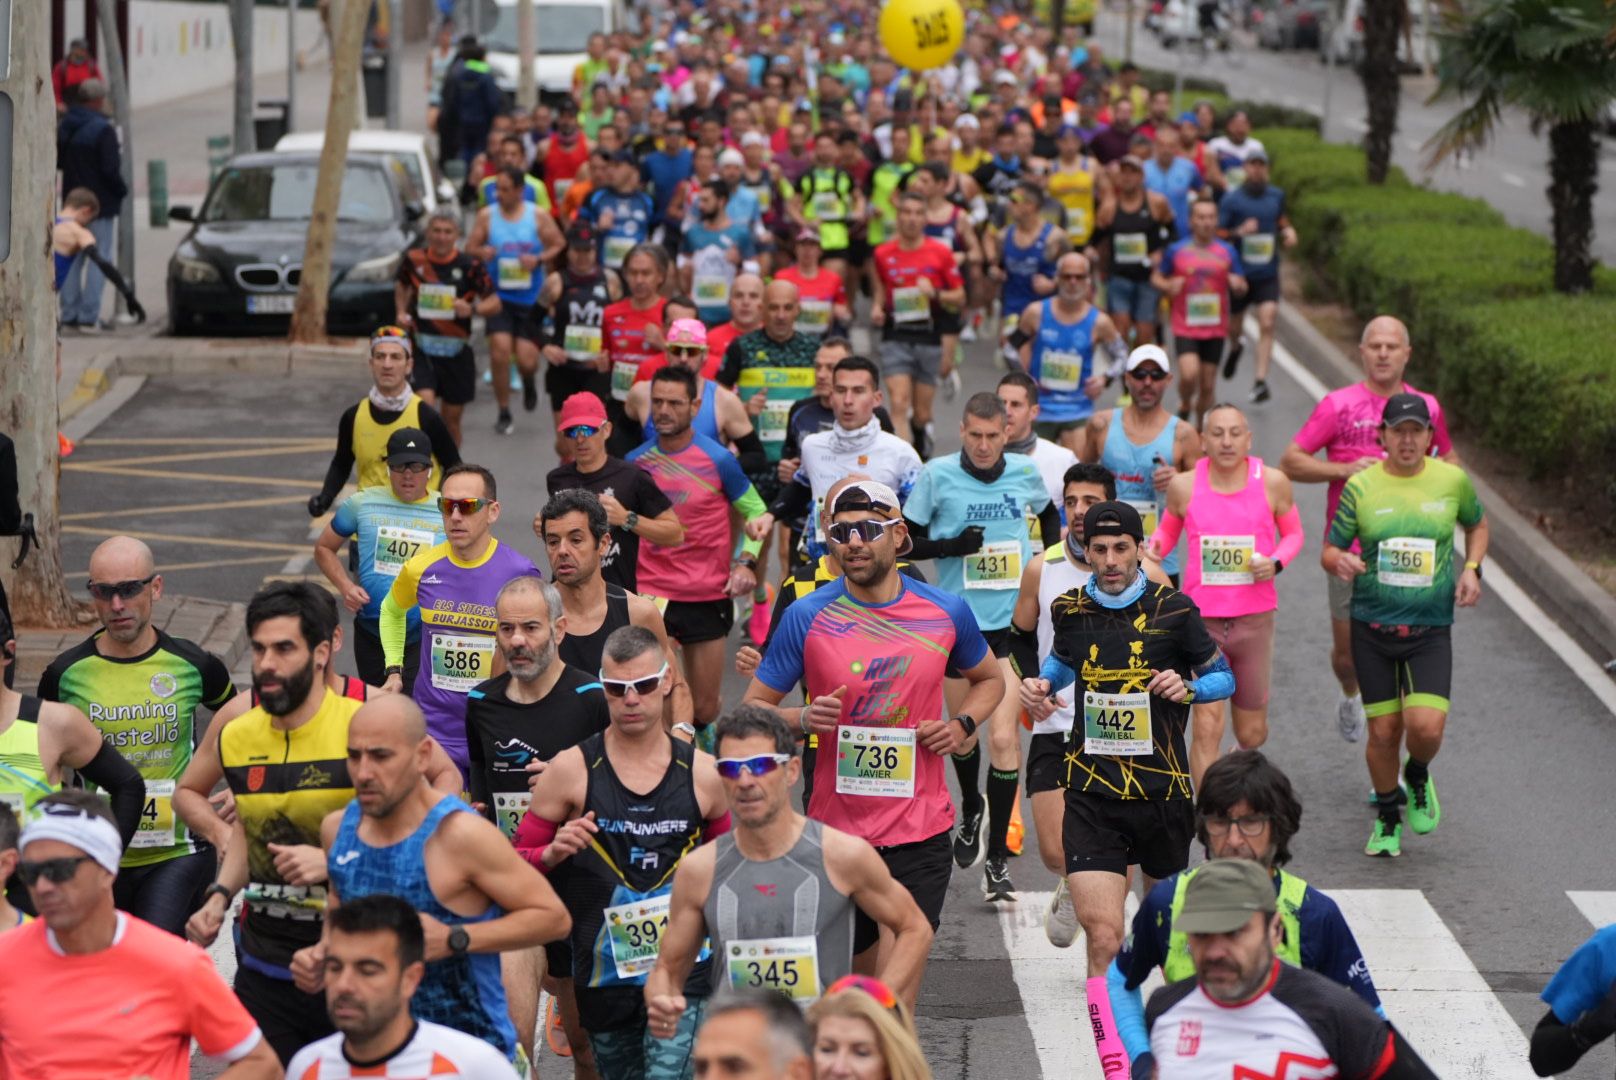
<point>1322,218</point>
<point>1262,114</point>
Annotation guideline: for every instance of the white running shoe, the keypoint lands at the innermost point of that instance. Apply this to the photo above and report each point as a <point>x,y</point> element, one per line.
<point>1349,717</point>
<point>1060,921</point>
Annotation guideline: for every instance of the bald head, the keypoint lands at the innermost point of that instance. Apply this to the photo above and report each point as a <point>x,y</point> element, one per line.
<point>387,755</point>
<point>1380,324</point>
<point>121,558</point>
<point>393,718</point>
<point>781,306</point>
<point>123,586</point>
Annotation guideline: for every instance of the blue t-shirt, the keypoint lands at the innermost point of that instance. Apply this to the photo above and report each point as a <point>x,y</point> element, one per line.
<point>664,172</point>
<point>712,269</point>
<point>631,222</point>
<point>389,533</point>
<point>1259,251</point>
<point>948,500</point>
<point>1584,979</point>
<point>1176,183</point>
<point>744,207</point>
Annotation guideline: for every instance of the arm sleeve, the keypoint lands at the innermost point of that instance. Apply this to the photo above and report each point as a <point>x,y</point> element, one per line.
<point>1058,672</point>
<point>1291,536</point>
<point>443,444</point>
<point>1049,524</point>
<point>1555,1047</point>
<point>750,504</point>
<point>1128,1012</point>
<point>921,545</point>
<point>790,448</point>
<point>1165,538</point>
<point>217,685</point>
<point>342,460</point>
<point>111,272</point>
<point>1214,681</point>
<point>1023,651</point>
<point>792,502</point>
<point>393,619</point>
<point>730,373</point>
<point>125,790</point>
<point>749,450</point>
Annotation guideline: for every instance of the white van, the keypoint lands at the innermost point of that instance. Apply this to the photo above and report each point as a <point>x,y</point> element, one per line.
<point>563,29</point>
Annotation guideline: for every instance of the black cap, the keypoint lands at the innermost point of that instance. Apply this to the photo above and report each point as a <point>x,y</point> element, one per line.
<point>567,105</point>
<point>1113,519</point>
<point>1401,408</point>
<point>625,156</point>
<point>581,234</point>
<point>408,445</point>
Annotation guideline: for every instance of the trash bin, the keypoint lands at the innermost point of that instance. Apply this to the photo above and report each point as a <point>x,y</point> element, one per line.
<point>269,129</point>
<point>374,69</point>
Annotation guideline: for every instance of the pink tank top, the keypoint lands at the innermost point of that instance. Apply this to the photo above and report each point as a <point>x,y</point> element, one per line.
<point>1223,531</point>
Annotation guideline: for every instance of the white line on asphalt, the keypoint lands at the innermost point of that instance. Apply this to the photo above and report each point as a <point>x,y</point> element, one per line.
<point>1598,908</point>
<point>1512,180</point>
<point>1430,989</point>
<point>1583,666</point>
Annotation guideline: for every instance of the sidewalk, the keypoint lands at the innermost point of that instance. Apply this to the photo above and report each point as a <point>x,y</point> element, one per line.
<point>218,627</point>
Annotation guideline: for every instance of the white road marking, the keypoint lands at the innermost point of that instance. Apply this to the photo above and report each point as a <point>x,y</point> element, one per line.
<point>1598,908</point>
<point>1431,990</point>
<point>1584,667</point>
<point>1512,180</point>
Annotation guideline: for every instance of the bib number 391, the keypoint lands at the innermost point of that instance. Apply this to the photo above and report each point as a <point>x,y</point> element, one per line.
<point>635,930</point>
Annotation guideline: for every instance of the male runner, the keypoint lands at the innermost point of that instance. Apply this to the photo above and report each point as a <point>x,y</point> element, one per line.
<point>518,239</point>
<point>141,689</point>
<point>1022,257</point>
<point>754,1033</point>
<point>712,251</point>
<point>745,315</point>
<point>776,895</point>
<point>1199,274</point>
<point>882,745</point>
<point>721,416</point>
<point>1081,186</point>
<point>1252,214</point>
<point>1229,509</point>
<point>972,512</point>
<point>1018,393</point>
<point>365,427</point>
<point>438,290</point>
<point>1402,513</point>
<point>453,584</point>
<point>1169,173</point>
<point>390,525</point>
<point>824,302</point>
<point>513,155</point>
<point>827,198</point>
<point>633,330</point>
<point>620,210</point>
<point>1141,226</point>
<point>1055,342</point>
<point>1128,644</point>
<point>577,299</point>
<point>1235,148</point>
<point>374,961</point>
<point>1346,426</point>
<point>611,819</point>
<point>1245,808</point>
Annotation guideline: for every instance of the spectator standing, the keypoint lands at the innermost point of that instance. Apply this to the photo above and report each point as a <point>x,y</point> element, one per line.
<point>89,156</point>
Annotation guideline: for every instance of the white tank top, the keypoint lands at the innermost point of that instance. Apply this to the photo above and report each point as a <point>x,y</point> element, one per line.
<point>1060,575</point>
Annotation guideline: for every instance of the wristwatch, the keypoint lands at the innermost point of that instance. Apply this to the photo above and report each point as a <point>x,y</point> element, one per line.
<point>684,727</point>
<point>207,894</point>
<point>632,520</point>
<point>394,669</point>
<point>459,941</point>
<point>748,561</point>
<point>968,723</point>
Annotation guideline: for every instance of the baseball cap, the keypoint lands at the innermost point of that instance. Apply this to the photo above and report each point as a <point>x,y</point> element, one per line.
<point>687,332</point>
<point>1401,408</point>
<point>1131,161</point>
<point>809,233</point>
<point>754,138</point>
<point>625,156</point>
<point>1149,354</point>
<point>581,408</point>
<point>966,120</point>
<point>581,234</point>
<point>1257,155</point>
<point>567,106</point>
<point>408,445</point>
<point>1112,519</point>
<point>1223,895</point>
<point>731,156</point>
<point>1006,78</point>
<point>877,498</point>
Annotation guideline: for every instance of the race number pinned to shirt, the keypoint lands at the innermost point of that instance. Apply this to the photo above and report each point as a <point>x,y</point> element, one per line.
<point>617,249</point>
<point>509,807</point>
<point>772,421</point>
<point>1130,249</point>
<point>397,545</point>
<point>513,276</point>
<point>711,290</point>
<point>623,378</point>
<point>1226,560</point>
<point>1077,224</point>
<point>995,566</point>
<point>460,662</point>
<point>1148,516</point>
<point>435,301</point>
<point>788,966</point>
<point>814,318</point>
<point>827,206</point>
<point>582,342</point>
<point>875,761</point>
<point>156,816</point>
<point>1060,371</point>
<point>1257,249</point>
<point>13,802</point>
<point>1203,309</point>
<point>1117,724</point>
<point>909,305</point>
<point>635,932</point>
<point>1406,562</point>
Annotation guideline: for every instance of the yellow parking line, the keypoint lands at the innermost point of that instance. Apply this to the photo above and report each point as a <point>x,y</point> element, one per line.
<point>251,560</point>
<point>186,508</point>
<point>310,485</point>
<point>180,538</point>
<point>217,455</point>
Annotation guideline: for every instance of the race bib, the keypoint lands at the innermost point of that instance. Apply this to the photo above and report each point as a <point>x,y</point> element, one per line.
<point>156,816</point>
<point>635,931</point>
<point>396,545</point>
<point>1060,371</point>
<point>827,206</point>
<point>617,249</point>
<point>435,301</point>
<point>1203,309</point>
<point>909,306</point>
<point>1117,724</point>
<point>1130,248</point>
<point>814,318</point>
<point>561,187</point>
<point>772,421</point>
<point>623,378</point>
<point>875,761</point>
<point>1147,516</point>
<point>513,276</point>
<point>1226,560</point>
<point>711,291</point>
<point>996,566</point>
<point>1234,176</point>
<point>1077,224</point>
<point>788,966</point>
<point>14,802</point>
<point>582,342</point>
<point>1407,562</point>
<point>1257,249</point>
<point>509,806</point>
<point>460,662</point>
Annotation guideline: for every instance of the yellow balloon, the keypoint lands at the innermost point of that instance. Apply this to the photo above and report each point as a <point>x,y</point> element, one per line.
<point>922,34</point>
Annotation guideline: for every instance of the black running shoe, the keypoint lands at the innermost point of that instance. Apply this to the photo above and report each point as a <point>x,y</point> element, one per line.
<point>996,883</point>
<point>968,840</point>
<point>530,393</point>
<point>1232,361</point>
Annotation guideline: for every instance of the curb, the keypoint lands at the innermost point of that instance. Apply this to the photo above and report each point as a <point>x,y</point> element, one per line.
<point>1577,601</point>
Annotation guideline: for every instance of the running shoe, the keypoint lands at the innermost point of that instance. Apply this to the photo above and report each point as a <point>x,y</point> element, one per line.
<point>1232,361</point>
<point>968,331</point>
<point>1386,841</point>
<point>968,839</point>
<point>757,625</point>
<point>951,384</point>
<point>1349,717</point>
<point>504,425</point>
<point>996,883</point>
<point>1060,921</point>
<point>1424,811</point>
<point>1259,392</point>
<point>530,393</point>
<point>554,1034</point>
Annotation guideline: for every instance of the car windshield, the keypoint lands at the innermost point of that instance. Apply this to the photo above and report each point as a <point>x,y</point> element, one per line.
<point>286,193</point>
<point>561,28</point>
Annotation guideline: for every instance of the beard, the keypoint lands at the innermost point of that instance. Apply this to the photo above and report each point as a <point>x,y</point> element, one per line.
<point>529,665</point>
<point>290,695</point>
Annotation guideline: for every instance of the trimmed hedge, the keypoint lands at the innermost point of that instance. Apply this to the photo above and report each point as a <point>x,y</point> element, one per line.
<point>1194,88</point>
<point>1523,366</point>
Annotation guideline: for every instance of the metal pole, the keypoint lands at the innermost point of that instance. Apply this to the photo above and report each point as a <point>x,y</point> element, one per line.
<point>291,65</point>
<point>107,16</point>
<point>395,60</point>
<point>1127,35</point>
<point>476,17</point>
<point>1329,72</point>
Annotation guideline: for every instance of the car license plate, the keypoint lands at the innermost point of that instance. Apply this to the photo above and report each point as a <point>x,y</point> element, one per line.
<point>273,304</point>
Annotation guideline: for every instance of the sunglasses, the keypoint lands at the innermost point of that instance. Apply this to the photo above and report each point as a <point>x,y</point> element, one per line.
<point>123,590</point>
<point>641,687</point>
<point>869,530</point>
<point>581,431</point>
<point>762,765</point>
<point>1148,376</point>
<point>877,989</point>
<point>390,331</point>
<point>414,468</point>
<point>56,871</point>
<point>687,350</point>
<point>467,507</point>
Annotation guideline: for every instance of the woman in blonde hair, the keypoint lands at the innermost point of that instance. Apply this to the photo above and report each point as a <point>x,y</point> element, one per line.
<point>863,1032</point>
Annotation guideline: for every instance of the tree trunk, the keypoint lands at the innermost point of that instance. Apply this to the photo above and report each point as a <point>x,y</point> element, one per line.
<point>38,592</point>
<point>241,39</point>
<point>314,291</point>
<point>1382,88</point>
<point>118,84</point>
<point>1573,181</point>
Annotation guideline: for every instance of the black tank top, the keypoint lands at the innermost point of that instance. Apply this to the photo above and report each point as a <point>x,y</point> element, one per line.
<point>583,651</point>
<point>583,303</point>
<point>1133,224</point>
<point>617,888</point>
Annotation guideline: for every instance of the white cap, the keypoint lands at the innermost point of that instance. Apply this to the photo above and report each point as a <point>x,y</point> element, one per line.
<point>1008,78</point>
<point>1147,354</point>
<point>754,138</point>
<point>966,120</point>
<point>731,156</point>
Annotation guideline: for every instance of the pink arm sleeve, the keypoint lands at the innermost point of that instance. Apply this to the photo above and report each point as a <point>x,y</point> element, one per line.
<point>1165,539</point>
<point>713,828</point>
<point>533,835</point>
<point>1290,536</point>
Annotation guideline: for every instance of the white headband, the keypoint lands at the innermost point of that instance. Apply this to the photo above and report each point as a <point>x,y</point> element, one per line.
<point>90,833</point>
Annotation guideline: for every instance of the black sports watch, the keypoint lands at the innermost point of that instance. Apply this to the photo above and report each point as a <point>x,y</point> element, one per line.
<point>632,520</point>
<point>968,723</point>
<point>207,894</point>
<point>459,941</point>
<point>395,669</point>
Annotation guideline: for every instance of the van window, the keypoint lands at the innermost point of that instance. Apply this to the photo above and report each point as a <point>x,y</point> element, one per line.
<point>561,28</point>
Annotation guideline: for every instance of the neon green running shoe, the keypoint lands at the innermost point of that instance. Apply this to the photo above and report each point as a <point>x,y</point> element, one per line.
<point>1424,811</point>
<point>1386,841</point>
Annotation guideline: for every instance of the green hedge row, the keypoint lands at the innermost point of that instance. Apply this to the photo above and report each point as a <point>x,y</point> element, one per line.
<point>1522,366</point>
<point>1261,113</point>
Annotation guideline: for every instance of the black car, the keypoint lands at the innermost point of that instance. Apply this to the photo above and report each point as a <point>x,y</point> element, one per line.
<point>238,269</point>
<point>1290,24</point>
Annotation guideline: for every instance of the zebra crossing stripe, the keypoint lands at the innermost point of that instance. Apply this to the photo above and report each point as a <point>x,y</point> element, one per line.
<point>1598,908</point>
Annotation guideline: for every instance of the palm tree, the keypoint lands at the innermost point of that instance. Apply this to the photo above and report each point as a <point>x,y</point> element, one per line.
<point>1556,61</point>
<point>1382,25</point>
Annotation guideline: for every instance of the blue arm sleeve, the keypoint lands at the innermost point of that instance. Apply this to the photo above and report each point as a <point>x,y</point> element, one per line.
<point>1584,978</point>
<point>1128,1010</point>
<point>1215,681</point>
<point>1058,672</point>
